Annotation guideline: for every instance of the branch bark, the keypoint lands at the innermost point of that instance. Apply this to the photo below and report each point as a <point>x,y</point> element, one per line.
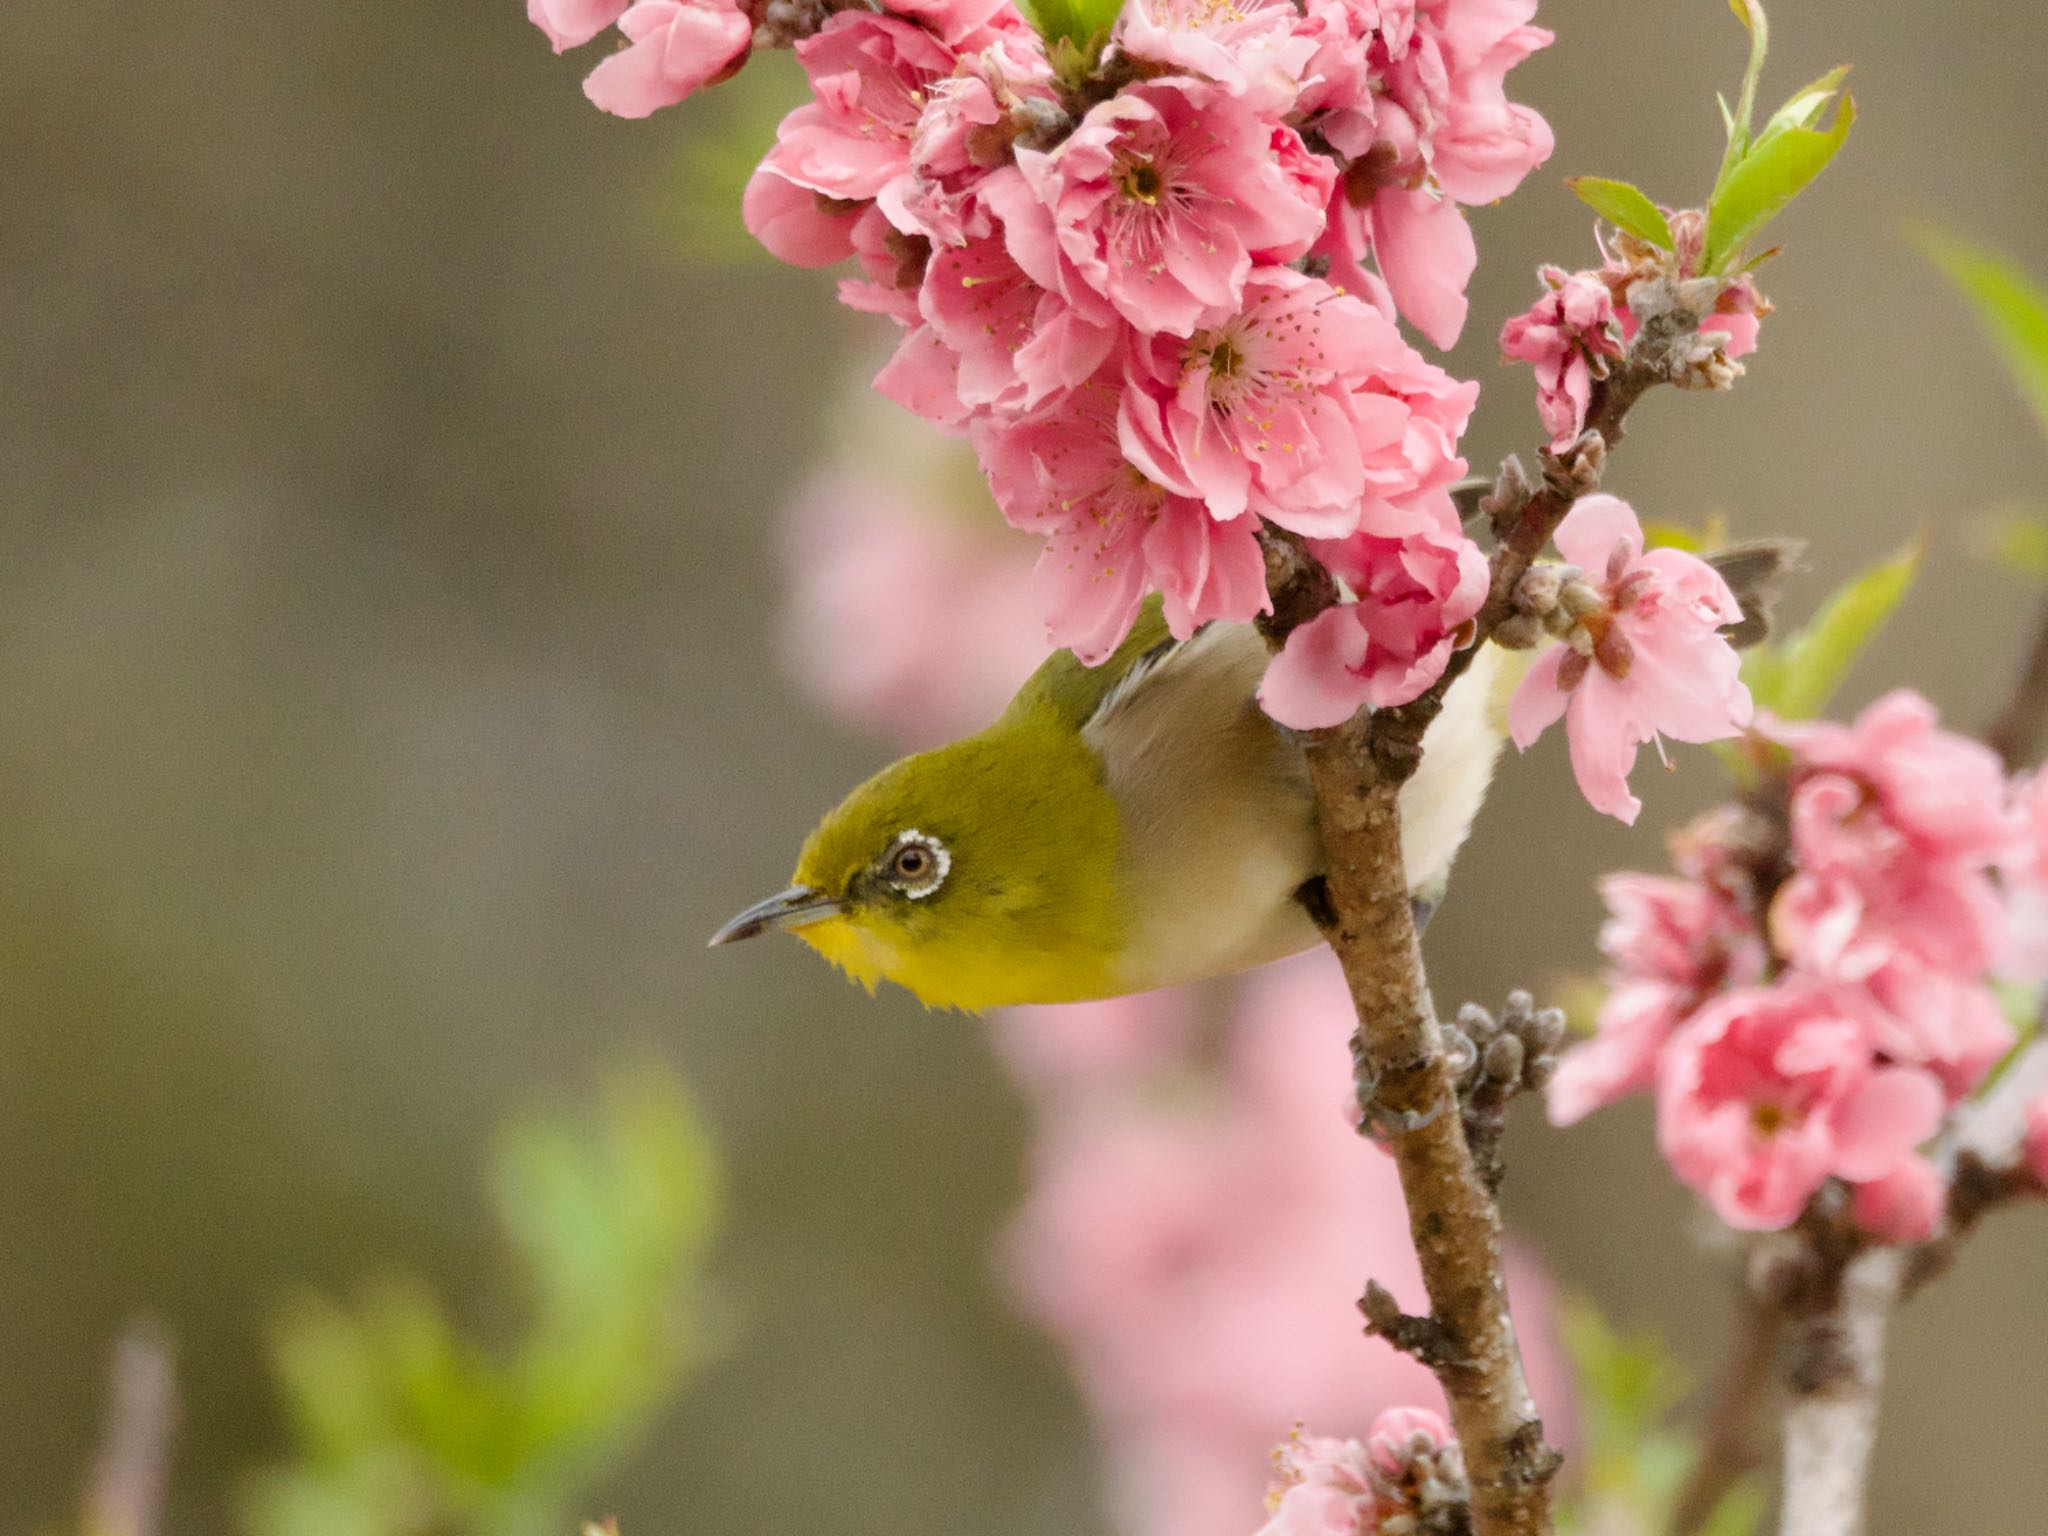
<point>1730,1451</point>
<point>1837,1376</point>
<point>1356,771</point>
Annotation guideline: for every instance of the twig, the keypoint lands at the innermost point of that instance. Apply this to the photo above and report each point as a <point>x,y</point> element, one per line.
<point>1730,1451</point>
<point>2016,734</point>
<point>1356,771</point>
<point>1836,1378</point>
<point>132,1472</point>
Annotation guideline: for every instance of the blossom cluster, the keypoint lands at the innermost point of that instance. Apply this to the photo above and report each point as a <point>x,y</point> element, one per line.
<point>1156,284</point>
<point>1406,1477</point>
<point>1811,998</point>
<point>1585,320</point>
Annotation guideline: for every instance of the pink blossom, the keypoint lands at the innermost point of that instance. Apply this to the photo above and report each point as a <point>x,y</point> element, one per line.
<point>967,24</point>
<point>2034,1146</point>
<point>1483,145</point>
<point>963,135</point>
<point>1252,50</point>
<point>1413,595</point>
<point>1017,343</point>
<point>1400,1434</point>
<point>1425,251</point>
<point>2023,871</point>
<point>798,225</point>
<point>678,48</point>
<point>1193,1240</point>
<point>1672,943</point>
<point>1905,1206</point>
<point>1864,888</point>
<point>1943,792</point>
<point>1636,1022</point>
<point>869,78</point>
<point>1305,407</point>
<point>1767,1093</point>
<point>572,23</point>
<point>1414,96</point>
<point>1559,335</point>
<point>1111,532</point>
<point>1322,1487</point>
<point>1160,200</point>
<point>1659,665</point>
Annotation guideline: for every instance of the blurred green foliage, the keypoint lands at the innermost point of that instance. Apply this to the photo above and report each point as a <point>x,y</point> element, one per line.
<point>1633,1463</point>
<point>2010,306</point>
<point>405,1425</point>
<point>697,205</point>
<point>2012,310</point>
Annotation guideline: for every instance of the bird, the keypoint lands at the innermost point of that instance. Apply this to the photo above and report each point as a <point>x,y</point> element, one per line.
<point>1119,828</point>
<point>1134,825</point>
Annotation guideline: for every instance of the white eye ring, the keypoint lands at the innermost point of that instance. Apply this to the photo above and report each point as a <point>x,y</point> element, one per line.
<point>917,884</point>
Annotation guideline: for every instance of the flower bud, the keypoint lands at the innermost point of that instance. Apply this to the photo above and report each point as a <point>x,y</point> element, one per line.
<point>1400,1435</point>
<point>1538,590</point>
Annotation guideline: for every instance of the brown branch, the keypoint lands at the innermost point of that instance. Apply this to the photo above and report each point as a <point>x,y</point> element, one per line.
<point>1837,1376</point>
<point>1356,771</point>
<point>1730,1452</point>
<point>2016,734</point>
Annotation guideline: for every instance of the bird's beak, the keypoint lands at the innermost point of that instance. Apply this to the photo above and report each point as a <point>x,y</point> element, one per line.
<point>792,908</point>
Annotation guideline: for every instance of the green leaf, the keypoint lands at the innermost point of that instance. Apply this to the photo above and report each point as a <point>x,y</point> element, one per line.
<point>1803,109</point>
<point>1083,23</point>
<point>1766,179</point>
<point>1795,680</point>
<point>2011,307</point>
<point>1751,14</point>
<point>1623,205</point>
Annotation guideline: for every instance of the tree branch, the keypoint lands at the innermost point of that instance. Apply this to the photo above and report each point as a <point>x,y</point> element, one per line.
<point>2016,734</point>
<point>1730,1451</point>
<point>1836,1378</point>
<point>1356,771</point>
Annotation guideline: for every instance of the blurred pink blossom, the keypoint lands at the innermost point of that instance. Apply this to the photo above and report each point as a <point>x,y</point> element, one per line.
<point>2023,871</point>
<point>1658,664</point>
<point>909,608</point>
<point>1767,1093</point>
<point>1195,1238</point>
<point>572,23</point>
<point>1670,945</point>
<point>1321,1487</point>
<point>1904,1206</point>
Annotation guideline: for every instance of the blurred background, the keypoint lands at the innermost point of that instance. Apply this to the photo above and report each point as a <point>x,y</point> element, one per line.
<point>395,689</point>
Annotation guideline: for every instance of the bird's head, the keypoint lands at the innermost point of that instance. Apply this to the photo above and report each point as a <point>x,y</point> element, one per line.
<point>974,875</point>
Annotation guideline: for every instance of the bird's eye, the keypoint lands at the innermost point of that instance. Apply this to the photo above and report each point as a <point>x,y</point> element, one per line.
<point>915,864</point>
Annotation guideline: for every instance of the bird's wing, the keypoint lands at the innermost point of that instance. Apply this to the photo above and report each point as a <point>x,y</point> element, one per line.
<point>1075,694</point>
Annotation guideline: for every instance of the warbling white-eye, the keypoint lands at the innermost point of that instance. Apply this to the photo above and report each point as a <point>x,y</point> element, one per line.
<point>1123,827</point>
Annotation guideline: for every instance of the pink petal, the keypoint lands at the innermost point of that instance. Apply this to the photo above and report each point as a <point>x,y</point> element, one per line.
<point>1538,702</point>
<point>1426,252</point>
<point>1878,1126</point>
<point>1593,527</point>
<point>1310,684</point>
